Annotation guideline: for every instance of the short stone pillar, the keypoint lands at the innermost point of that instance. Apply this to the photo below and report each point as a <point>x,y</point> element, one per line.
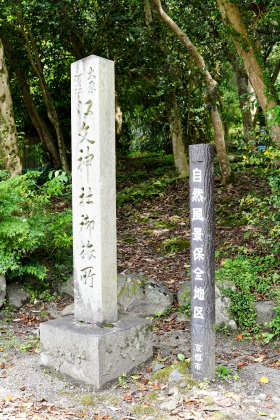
<point>202,265</point>
<point>95,346</point>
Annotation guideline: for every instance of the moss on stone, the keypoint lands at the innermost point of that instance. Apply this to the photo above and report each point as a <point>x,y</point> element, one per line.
<point>107,326</point>
<point>174,245</point>
<point>209,400</point>
<point>151,397</point>
<point>233,222</point>
<point>220,416</point>
<point>184,369</point>
<point>129,240</point>
<point>143,410</point>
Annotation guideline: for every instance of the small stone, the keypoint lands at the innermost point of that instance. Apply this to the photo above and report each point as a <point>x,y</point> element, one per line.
<point>16,295</point>
<point>173,391</point>
<point>68,287</point>
<point>169,405</point>
<point>175,376</point>
<point>68,310</point>
<point>157,367</point>
<point>232,325</point>
<point>261,396</point>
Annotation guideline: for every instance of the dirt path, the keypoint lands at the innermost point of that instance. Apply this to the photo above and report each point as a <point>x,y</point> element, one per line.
<point>29,392</point>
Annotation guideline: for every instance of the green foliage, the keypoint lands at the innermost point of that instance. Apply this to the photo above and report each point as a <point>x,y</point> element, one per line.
<point>222,372</point>
<point>29,227</point>
<point>186,307</point>
<point>142,191</point>
<point>253,276</point>
<point>274,326</point>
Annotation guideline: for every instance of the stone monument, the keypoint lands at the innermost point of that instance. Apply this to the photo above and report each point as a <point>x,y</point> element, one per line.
<point>95,346</point>
<point>202,265</point>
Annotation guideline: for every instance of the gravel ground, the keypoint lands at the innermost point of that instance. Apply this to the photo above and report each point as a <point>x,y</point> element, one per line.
<point>27,391</point>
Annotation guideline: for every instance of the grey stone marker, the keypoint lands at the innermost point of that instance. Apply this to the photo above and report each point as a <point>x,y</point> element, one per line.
<point>95,346</point>
<point>202,261</point>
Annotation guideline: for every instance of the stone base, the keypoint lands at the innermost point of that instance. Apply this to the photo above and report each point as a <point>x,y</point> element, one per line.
<point>95,355</point>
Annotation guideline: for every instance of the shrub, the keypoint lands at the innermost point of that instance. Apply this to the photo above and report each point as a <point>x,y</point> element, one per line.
<point>29,224</point>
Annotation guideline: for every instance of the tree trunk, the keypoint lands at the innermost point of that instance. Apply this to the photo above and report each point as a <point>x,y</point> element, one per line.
<point>8,131</point>
<point>118,123</point>
<point>244,102</point>
<point>225,123</point>
<point>211,87</point>
<point>251,59</point>
<point>37,67</point>
<point>220,144</point>
<point>180,158</point>
<point>39,124</point>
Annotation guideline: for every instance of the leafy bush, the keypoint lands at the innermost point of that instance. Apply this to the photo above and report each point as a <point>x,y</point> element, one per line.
<point>29,226</point>
<point>255,277</point>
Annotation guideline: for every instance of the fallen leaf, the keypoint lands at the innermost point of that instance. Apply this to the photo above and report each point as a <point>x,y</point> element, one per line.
<point>156,386</point>
<point>260,359</point>
<point>240,364</point>
<point>262,414</point>
<point>239,337</point>
<point>263,380</point>
<point>269,405</point>
<point>2,365</point>
<point>9,397</point>
<point>272,416</point>
<point>22,388</point>
<point>236,397</point>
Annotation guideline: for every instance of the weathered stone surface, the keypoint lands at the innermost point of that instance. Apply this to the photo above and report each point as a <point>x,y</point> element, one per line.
<point>16,295</point>
<point>67,287</point>
<point>183,293</point>
<point>175,376</point>
<point>94,189</point>
<point>137,296</point>
<point>158,366</point>
<point>2,288</point>
<point>265,313</point>
<point>169,405</point>
<point>222,303</point>
<point>141,296</point>
<point>95,355</point>
<point>223,316</point>
<point>68,310</point>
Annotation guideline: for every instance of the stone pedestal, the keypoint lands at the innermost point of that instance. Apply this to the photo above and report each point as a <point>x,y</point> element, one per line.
<point>95,355</point>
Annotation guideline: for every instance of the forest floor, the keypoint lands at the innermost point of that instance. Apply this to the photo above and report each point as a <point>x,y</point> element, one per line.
<point>152,217</point>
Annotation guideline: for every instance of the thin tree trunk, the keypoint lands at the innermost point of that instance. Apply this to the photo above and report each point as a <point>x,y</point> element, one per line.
<point>231,13</point>
<point>180,158</point>
<point>118,122</point>
<point>225,123</point>
<point>211,88</point>
<point>8,131</point>
<point>244,102</point>
<point>36,64</point>
<point>39,124</point>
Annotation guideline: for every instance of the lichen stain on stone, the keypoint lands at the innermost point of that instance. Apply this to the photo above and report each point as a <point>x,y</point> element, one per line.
<point>142,410</point>
<point>184,368</point>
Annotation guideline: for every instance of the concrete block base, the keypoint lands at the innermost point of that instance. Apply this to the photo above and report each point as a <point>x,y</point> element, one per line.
<point>95,355</point>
